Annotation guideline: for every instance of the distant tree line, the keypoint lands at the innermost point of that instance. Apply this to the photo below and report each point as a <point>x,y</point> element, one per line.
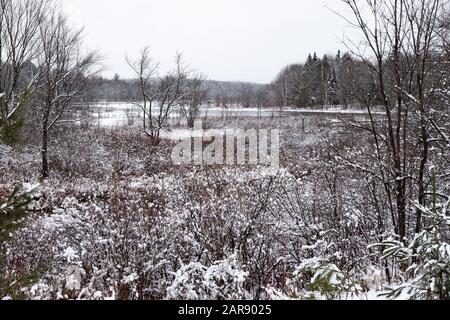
<point>108,90</point>
<point>246,94</point>
<point>319,82</point>
<point>219,93</point>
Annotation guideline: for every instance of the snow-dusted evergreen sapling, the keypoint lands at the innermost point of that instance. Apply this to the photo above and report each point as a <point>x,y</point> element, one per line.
<point>426,256</point>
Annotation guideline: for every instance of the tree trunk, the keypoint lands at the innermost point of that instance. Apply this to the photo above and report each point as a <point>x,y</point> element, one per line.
<point>44,153</point>
<point>401,210</point>
<point>424,155</point>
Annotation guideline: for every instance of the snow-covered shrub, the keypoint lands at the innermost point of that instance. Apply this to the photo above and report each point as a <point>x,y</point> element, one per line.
<point>223,280</point>
<point>117,238</point>
<point>225,212</point>
<point>122,222</point>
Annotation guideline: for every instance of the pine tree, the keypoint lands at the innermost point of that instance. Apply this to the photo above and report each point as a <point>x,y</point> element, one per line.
<point>426,256</point>
<point>12,205</point>
<point>12,121</point>
<point>309,60</point>
<point>333,94</point>
<point>12,214</point>
<point>315,79</point>
<point>325,77</point>
<point>12,211</point>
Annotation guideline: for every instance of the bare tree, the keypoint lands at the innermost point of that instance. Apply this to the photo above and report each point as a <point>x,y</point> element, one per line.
<point>400,35</point>
<point>246,95</point>
<point>195,95</point>
<point>145,68</point>
<point>261,99</point>
<point>19,46</point>
<point>63,73</point>
<point>170,93</point>
<point>160,98</point>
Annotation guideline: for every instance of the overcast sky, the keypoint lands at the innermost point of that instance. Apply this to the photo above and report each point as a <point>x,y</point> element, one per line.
<point>242,40</point>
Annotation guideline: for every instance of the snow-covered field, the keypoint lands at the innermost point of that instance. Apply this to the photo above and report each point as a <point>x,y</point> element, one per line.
<point>116,220</point>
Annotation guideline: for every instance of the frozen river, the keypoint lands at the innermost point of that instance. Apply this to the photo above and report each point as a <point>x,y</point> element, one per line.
<point>125,114</point>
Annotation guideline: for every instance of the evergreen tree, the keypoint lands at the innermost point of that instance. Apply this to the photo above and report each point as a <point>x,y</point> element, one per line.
<point>325,78</point>
<point>426,257</point>
<point>13,121</point>
<point>12,205</point>
<point>333,96</point>
<point>309,60</point>
<point>12,214</point>
<point>314,75</point>
<point>12,211</point>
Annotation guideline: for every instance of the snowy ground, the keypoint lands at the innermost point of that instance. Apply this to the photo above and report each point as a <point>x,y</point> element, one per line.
<point>116,220</point>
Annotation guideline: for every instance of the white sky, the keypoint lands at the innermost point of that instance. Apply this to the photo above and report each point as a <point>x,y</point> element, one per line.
<point>242,40</point>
